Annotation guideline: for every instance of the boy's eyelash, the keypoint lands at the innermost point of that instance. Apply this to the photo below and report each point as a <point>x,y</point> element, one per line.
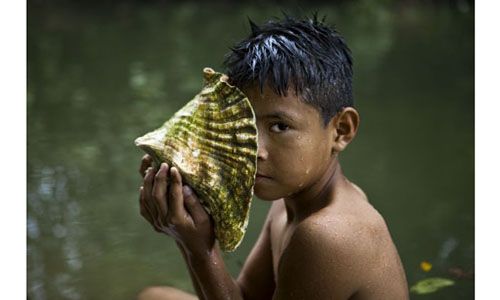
<point>281,127</point>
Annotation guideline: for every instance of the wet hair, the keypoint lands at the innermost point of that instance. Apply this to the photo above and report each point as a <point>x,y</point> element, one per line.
<point>306,55</point>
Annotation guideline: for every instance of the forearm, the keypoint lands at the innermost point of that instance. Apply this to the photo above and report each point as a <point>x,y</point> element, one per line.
<point>212,277</point>
<point>194,280</point>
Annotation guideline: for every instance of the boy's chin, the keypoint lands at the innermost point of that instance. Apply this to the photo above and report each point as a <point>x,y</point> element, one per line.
<point>266,195</point>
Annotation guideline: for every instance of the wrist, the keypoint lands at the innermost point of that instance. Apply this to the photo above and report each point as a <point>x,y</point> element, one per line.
<point>202,256</point>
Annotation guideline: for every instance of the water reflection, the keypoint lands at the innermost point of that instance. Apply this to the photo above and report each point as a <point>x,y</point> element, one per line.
<point>53,234</point>
<point>146,85</point>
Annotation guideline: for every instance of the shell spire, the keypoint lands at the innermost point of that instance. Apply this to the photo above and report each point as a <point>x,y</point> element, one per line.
<point>212,140</point>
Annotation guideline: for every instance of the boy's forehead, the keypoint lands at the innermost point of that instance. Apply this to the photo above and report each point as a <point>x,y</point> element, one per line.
<point>270,104</point>
<point>268,99</point>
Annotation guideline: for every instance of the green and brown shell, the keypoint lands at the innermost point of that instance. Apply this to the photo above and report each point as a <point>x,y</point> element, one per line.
<point>212,140</point>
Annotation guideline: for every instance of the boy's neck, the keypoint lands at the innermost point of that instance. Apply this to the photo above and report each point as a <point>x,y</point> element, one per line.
<point>301,205</point>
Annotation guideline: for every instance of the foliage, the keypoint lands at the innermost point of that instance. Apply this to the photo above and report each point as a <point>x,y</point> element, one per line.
<point>431,285</point>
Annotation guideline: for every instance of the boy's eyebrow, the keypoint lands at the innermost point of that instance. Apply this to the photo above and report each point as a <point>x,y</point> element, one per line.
<point>277,115</point>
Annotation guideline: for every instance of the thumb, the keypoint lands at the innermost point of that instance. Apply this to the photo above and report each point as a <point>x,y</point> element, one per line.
<point>193,206</point>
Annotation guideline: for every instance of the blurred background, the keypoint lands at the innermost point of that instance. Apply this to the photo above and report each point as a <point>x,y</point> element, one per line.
<point>101,73</point>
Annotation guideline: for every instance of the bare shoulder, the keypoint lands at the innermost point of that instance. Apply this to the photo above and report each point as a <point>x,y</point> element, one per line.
<point>316,264</point>
<point>350,226</point>
<point>347,251</point>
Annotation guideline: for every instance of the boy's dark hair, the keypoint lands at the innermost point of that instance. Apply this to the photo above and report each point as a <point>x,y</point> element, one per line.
<point>307,54</point>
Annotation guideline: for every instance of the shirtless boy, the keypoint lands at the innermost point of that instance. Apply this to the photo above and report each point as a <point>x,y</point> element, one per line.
<point>322,239</point>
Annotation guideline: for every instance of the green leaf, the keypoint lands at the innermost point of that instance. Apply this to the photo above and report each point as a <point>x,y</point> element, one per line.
<point>430,285</point>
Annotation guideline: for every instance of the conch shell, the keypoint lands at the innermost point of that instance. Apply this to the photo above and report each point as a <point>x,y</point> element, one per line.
<point>212,141</point>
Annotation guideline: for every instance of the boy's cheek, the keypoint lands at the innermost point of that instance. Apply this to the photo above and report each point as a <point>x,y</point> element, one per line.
<point>292,168</point>
<point>286,182</point>
<point>276,191</point>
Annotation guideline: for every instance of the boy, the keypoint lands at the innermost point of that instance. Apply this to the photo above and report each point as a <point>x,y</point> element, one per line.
<point>322,239</point>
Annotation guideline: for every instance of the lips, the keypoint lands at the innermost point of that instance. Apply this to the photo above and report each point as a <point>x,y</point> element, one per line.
<point>261,176</point>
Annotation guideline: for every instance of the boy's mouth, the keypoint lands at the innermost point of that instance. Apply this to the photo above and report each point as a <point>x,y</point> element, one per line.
<point>261,176</point>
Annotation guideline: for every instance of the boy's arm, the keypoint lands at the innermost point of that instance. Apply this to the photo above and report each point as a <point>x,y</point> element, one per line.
<point>188,223</point>
<point>194,280</point>
<point>147,162</point>
<point>212,278</point>
<point>256,279</point>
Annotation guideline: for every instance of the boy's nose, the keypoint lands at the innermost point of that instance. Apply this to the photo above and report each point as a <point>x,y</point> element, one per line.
<point>261,149</point>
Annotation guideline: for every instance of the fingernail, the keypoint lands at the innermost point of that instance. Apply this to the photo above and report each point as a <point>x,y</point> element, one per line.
<point>150,171</point>
<point>187,190</point>
<point>172,171</point>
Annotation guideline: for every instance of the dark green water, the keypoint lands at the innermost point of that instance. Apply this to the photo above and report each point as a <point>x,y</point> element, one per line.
<point>99,77</point>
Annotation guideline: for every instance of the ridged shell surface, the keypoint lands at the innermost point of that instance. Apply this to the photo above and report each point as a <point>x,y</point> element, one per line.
<point>212,140</point>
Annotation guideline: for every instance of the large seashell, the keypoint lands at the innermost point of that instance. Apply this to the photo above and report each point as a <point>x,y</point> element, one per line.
<point>212,140</point>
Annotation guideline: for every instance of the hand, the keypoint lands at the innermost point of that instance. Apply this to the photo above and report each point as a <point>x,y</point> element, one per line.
<point>174,209</point>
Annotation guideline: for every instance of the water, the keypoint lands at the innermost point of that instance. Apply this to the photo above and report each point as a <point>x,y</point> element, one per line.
<point>100,76</point>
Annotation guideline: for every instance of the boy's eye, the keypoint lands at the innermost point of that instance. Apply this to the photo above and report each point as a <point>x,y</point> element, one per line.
<point>279,127</point>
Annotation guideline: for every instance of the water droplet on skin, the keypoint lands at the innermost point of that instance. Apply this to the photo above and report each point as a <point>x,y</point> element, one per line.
<point>307,171</point>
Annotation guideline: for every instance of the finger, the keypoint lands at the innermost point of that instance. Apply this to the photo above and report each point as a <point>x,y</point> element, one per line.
<point>176,209</point>
<point>143,207</point>
<point>194,207</point>
<point>146,162</point>
<point>160,190</point>
<point>148,193</point>
<point>148,183</point>
<point>144,210</point>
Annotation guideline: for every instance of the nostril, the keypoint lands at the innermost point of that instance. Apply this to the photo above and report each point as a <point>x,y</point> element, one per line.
<point>261,154</point>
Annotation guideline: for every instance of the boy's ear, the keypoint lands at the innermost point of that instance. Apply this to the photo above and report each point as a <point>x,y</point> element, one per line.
<point>345,126</point>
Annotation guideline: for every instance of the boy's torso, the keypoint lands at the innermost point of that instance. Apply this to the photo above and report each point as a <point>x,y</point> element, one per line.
<point>349,216</point>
